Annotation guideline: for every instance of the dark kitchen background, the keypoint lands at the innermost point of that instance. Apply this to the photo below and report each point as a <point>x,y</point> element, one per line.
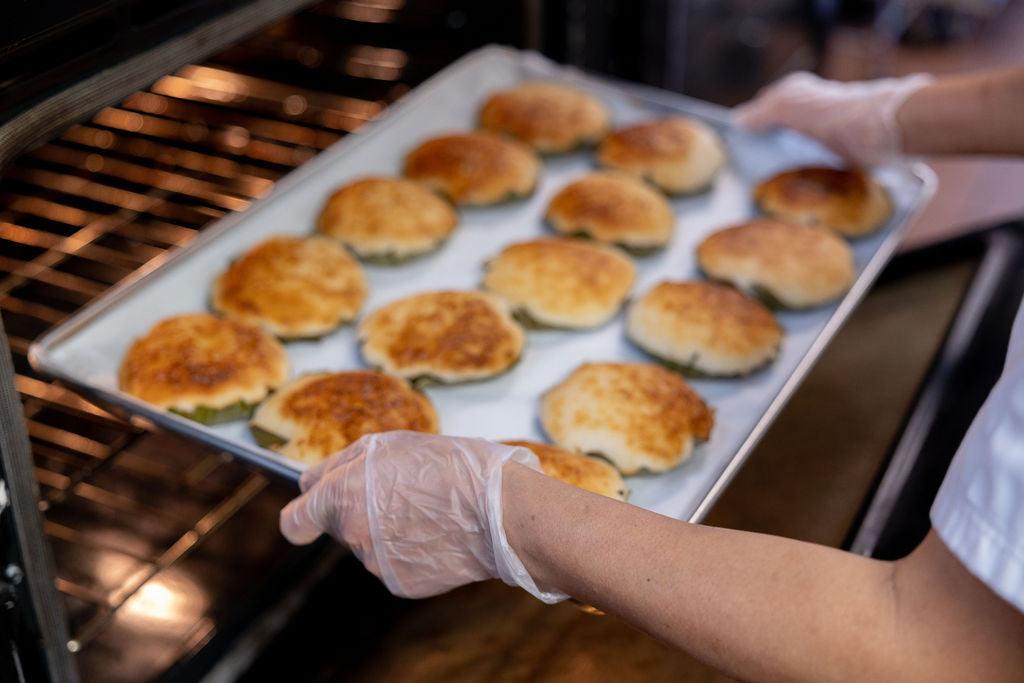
<point>165,555</point>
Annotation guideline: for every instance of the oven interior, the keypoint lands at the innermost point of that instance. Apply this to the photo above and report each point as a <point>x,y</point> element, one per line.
<point>161,545</point>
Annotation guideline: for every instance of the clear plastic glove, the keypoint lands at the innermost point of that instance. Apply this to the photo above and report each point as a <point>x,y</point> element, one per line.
<point>857,120</point>
<point>422,512</point>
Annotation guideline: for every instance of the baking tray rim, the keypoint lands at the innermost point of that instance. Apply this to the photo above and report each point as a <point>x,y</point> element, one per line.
<point>40,349</point>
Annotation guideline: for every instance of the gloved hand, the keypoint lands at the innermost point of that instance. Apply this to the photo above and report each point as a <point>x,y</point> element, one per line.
<point>856,120</point>
<point>422,512</point>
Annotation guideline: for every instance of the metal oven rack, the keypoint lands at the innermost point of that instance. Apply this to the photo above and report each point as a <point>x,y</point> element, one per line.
<point>157,540</point>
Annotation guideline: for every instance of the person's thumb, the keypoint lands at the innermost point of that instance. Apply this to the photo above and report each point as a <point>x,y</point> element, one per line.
<point>755,115</point>
<point>305,518</point>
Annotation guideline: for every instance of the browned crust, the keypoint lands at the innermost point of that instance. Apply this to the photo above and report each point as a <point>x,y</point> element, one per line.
<point>668,139</point>
<point>816,185</point>
<point>798,264</point>
<point>584,471</point>
<point>612,208</point>
<point>562,280</point>
<point>652,408</point>
<point>378,215</point>
<point>199,358</point>
<point>547,116</point>
<point>474,168</point>
<point>721,317</point>
<point>847,200</point>
<point>292,286</point>
<point>447,334</point>
<point>330,411</point>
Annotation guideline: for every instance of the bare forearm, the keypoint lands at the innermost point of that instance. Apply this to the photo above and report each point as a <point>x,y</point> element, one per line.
<point>755,606</point>
<point>974,114</point>
<point>735,600</point>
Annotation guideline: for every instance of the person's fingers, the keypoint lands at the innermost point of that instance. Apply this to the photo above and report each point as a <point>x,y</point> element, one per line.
<point>313,474</point>
<point>304,519</point>
<point>755,115</point>
<point>798,81</point>
<point>318,471</point>
<point>773,105</point>
<point>327,505</point>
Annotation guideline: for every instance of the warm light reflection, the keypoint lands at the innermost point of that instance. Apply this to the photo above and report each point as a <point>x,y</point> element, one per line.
<point>235,136</point>
<point>213,85</point>
<point>94,163</point>
<point>384,64</point>
<point>81,187</point>
<point>294,105</point>
<point>36,206</point>
<point>133,122</point>
<point>169,601</point>
<point>155,601</point>
<point>103,139</point>
<point>148,102</point>
<point>369,11</point>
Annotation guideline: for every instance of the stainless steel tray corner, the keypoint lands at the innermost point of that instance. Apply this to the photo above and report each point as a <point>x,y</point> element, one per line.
<point>85,350</point>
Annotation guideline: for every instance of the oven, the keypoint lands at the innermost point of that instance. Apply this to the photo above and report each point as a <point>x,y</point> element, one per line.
<point>164,551</point>
<point>129,126</point>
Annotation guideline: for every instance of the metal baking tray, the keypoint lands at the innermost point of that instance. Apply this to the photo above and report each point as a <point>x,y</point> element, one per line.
<point>85,351</point>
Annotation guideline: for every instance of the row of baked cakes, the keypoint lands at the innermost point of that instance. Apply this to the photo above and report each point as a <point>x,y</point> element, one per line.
<point>230,364</point>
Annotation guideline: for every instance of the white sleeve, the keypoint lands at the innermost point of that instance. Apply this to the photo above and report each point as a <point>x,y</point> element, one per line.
<point>979,512</point>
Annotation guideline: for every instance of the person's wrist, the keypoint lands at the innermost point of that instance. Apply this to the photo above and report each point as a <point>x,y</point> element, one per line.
<point>519,488</point>
<point>515,482</point>
<point>903,118</point>
<point>905,113</point>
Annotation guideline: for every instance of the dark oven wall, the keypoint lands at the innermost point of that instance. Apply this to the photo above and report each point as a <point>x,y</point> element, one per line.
<point>716,50</point>
<point>48,44</point>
